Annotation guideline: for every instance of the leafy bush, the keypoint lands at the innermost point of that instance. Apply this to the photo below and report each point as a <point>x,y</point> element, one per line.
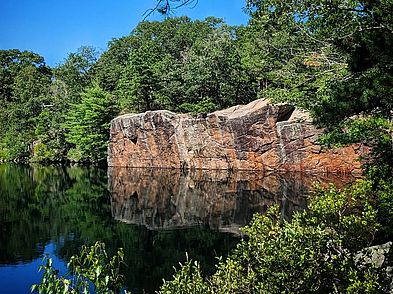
<point>349,212</point>
<point>92,271</point>
<point>187,280</point>
<point>317,252</point>
<point>42,152</point>
<point>381,176</point>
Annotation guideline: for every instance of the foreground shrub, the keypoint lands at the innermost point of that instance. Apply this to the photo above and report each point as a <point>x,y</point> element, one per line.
<point>187,280</point>
<point>317,252</point>
<point>349,212</point>
<point>293,258</point>
<point>92,271</point>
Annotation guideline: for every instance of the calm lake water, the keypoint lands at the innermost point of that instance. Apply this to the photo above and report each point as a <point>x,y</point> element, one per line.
<point>155,215</point>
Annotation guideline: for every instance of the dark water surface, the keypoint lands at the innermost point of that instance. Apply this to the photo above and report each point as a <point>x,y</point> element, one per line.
<point>155,215</point>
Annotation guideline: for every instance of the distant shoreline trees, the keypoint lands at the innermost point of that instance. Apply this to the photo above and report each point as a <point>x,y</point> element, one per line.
<point>177,64</point>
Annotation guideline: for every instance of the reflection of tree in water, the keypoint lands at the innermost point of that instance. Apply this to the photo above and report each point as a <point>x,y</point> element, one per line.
<point>70,206</point>
<point>41,203</point>
<point>20,235</point>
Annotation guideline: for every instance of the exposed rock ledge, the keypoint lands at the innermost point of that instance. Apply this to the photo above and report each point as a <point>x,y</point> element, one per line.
<point>257,136</point>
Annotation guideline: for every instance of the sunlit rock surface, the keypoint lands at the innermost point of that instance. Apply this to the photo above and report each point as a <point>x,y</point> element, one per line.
<point>257,136</point>
<point>221,200</point>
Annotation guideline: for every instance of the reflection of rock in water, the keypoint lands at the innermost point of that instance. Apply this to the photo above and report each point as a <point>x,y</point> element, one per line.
<point>169,199</point>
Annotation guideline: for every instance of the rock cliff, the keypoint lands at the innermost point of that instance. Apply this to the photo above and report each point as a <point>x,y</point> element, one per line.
<point>257,136</point>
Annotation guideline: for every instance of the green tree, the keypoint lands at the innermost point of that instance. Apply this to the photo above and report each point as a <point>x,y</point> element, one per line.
<point>346,53</point>
<point>77,71</point>
<point>108,68</point>
<point>177,64</point>
<point>87,125</point>
<point>25,82</point>
<point>140,81</point>
<point>51,145</point>
<point>211,72</point>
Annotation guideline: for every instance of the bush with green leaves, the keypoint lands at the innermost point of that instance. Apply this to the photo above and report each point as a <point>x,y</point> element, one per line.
<point>349,212</point>
<point>316,252</point>
<point>381,178</point>
<point>188,279</point>
<point>92,271</point>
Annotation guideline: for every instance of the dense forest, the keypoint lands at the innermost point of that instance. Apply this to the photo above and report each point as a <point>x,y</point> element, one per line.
<point>332,58</point>
<point>63,113</point>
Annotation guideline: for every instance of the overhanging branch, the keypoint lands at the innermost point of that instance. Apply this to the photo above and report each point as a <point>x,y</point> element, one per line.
<point>166,7</point>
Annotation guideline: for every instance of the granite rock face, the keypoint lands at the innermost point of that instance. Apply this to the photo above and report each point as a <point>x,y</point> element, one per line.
<point>257,136</point>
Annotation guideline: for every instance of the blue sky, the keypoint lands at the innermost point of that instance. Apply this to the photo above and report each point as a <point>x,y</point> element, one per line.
<point>54,28</point>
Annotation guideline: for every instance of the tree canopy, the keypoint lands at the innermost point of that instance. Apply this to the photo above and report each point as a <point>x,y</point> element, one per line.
<point>24,84</point>
<point>345,43</point>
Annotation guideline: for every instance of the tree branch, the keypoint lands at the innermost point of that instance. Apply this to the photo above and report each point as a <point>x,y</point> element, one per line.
<point>165,7</point>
